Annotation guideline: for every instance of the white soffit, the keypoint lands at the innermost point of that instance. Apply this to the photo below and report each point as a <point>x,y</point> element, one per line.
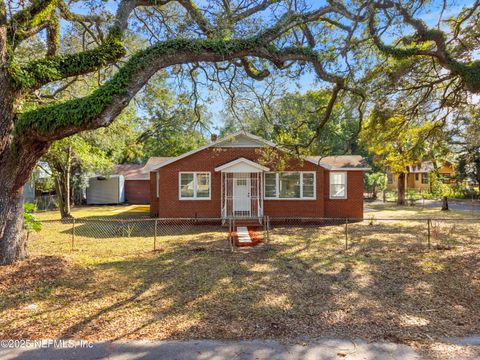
<point>241,165</point>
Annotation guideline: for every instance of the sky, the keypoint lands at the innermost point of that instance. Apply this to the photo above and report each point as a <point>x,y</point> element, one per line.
<point>307,80</point>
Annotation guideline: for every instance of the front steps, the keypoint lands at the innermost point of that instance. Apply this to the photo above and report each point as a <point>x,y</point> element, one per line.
<point>247,235</point>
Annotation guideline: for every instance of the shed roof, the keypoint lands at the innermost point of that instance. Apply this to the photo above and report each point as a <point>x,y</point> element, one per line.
<point>139,171</point>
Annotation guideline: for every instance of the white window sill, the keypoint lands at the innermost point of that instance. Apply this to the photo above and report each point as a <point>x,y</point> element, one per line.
<point>194,199</point>
<point>295,199</point>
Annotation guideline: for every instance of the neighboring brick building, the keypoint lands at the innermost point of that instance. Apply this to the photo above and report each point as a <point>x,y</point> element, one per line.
<point>246,176</point>
<point>137,180</point>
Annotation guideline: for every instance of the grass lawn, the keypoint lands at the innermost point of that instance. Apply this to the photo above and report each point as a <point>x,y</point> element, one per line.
<point>386,286</point>
<point>107,211</point>
<point>390,210</point>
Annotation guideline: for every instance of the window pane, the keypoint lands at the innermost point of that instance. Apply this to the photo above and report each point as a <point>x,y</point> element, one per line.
<point>338,185</point>
<point>186,185</point>
<point>289,185</point>
<point>203,185</point>
<point>270,185</point>
<point>337,178</point>
<point>424,178</point>
<point>337,190</point>
<point>308,185</point>
<point>241,182</point>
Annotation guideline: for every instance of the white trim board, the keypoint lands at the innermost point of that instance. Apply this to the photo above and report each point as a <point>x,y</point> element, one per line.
<point>242,161</point>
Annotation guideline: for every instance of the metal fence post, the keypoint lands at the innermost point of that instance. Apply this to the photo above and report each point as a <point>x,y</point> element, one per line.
<point>429,221</point>
<point>267,220</point>
<point>231,229</point>
<point>346,234</point>
<point>155,237</point>
<point>473,205</point>
<point>73,234</point>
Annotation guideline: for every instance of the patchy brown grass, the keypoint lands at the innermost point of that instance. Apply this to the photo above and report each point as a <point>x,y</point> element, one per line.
<point>386,286</point>
<point>103,211</point>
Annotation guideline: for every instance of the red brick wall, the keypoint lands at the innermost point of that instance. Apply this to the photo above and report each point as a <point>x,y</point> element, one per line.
<point>169,205</point>
<point>352,207</point>
<point>207,160</point>
<point>137,191</point>
<point>153,194</point>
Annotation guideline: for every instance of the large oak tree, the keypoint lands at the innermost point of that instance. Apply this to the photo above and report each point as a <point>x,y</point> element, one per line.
<point>222,33</point>
<point>247,36</point>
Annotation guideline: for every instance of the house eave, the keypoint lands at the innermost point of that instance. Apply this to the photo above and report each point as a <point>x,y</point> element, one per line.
<point>253,165</point>
<point>336,168</point>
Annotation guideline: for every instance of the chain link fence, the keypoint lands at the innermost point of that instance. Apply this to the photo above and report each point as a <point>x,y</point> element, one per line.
<point>377,234</point>
<point>46,202</point>
<point>112,237</point>
<point>122,237</point>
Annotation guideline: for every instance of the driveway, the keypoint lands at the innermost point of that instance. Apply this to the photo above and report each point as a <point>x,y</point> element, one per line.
<point>321,349</point>
<point>453,204</point>
<point>467,206</point>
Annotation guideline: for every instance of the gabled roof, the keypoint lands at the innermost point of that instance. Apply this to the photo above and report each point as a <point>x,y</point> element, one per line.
<point>238,164</point>
<point>138,171</point>
<point>223,141</point>
<point>343,162</point>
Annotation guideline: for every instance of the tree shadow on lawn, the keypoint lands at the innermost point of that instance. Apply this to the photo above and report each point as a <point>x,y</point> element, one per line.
<point>413,235</point>
<point>187,293</point>
<point>139,228</point>
<point>36,280</point>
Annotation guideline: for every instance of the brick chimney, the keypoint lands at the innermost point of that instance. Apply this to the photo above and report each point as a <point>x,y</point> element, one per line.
<point>213,137</point>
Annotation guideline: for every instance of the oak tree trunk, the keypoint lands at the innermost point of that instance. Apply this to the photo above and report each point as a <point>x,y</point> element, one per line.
<point>62,184</point>
<point>401,189</point>
<point>12,233</point>
<point>17,161</point>
<point>445,203</point>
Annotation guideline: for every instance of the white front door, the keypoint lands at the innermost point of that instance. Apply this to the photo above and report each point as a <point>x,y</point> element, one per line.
<point>241,196</point>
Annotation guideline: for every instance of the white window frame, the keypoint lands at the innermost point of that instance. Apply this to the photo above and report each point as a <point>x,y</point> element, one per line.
<point>277,185</point>
<point>195,174</point>
<point>157,183</point>
<point>345,174</point>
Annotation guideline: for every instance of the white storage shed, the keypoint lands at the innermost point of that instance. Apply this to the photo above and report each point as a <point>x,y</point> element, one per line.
<point>106,190</point>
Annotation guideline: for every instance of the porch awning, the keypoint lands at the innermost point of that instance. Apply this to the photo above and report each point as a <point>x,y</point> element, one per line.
<point>242,165</point>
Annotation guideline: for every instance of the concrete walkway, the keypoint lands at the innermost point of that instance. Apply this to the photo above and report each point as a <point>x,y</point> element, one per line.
<point>321,349</point>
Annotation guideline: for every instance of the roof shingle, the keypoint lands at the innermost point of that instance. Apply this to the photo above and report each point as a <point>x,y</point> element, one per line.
<point>138,171</point>
<point>341,161</point>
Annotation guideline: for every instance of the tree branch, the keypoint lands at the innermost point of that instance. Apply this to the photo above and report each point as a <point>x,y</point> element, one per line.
<point>104,104</point>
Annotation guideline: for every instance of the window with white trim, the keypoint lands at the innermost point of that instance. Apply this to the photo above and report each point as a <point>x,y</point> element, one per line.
<point>290,185</point>
<point>157,183</point>
<point>338,185</point>
<point>194,185</point>
<point>424,178</point>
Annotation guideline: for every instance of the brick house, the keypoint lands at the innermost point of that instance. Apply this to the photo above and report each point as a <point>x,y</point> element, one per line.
<point>236,176</point>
